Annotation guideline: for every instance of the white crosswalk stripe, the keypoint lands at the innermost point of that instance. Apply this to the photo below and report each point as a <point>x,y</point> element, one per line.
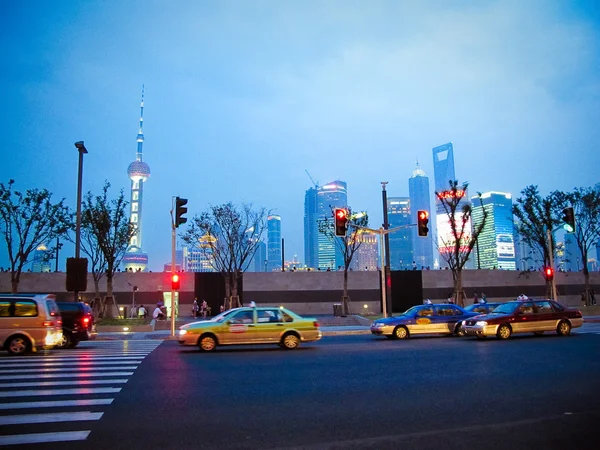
<point>95,368</point>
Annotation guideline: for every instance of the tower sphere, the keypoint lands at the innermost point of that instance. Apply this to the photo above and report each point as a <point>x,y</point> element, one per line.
<point>138,170</point>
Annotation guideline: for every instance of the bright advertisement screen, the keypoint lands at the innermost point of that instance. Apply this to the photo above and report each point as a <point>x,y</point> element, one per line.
<point>446,238</point>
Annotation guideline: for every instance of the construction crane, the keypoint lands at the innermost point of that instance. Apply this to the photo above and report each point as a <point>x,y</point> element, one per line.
<point>311,179</point>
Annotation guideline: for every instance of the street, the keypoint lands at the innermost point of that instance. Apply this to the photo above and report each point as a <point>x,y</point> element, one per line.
<point>357,392</point>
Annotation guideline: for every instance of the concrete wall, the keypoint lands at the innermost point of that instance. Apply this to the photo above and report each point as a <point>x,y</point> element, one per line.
<point>315,292</point>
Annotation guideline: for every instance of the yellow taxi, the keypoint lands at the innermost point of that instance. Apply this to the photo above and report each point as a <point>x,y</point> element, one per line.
<point>251,325</point>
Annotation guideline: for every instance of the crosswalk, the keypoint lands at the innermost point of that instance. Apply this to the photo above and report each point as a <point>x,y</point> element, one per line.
<point>63,390</point>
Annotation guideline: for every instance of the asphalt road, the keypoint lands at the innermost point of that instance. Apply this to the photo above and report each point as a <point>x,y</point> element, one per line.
<point>361,392</point>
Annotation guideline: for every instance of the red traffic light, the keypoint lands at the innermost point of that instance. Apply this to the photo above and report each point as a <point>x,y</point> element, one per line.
<point>548,273</point>
<point>175,282</point>
<point>423,215</point>
<point>341,221</point>
<point>422,222</point>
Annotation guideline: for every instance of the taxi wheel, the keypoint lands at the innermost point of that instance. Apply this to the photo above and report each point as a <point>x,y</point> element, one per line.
<point>18,345</point>
<point>290,341</point>
<point>458,330</point>
<point>503,332</point>
<point>400,332</point>
<point>563,328</point>
<point>207,344</point>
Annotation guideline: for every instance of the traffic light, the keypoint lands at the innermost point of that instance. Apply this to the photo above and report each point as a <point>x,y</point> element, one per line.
<point>422,222</point>
<point>175,282</point>
<point>341,221</point>
<point>569,219</point>
<point>180,210</point>
<point>548,273</point>
<point>77,270</point>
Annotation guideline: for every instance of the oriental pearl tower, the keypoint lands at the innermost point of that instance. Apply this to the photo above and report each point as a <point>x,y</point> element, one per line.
<point>138,171</point>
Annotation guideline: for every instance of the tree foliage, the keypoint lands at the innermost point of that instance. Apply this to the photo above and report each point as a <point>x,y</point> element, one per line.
<point>28,220</point>
<point>106,232</point>
<point>348,245</point>
<point>456,249</point>
<point>227,237</point>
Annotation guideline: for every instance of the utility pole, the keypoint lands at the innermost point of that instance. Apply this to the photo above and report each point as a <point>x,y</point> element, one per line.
<point>386,225</point>
<point>551,259</point>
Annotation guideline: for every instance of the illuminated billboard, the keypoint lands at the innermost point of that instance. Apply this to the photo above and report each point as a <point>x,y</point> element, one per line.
<point>446,239</point>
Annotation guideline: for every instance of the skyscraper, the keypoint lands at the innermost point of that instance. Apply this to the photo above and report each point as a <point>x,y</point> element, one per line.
<point>443,168</point>
<point>418,191</point>
<point>274,262</point>
<point>495,246</point>
<point>330,195</point>
<point>138,172</point>
<point>401,251</point>
<point>259,259</point>
<point>311,228</point>
<point>366,256</point>
<point>41,259</point>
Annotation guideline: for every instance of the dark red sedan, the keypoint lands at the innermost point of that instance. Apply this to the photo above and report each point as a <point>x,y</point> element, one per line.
<point>524,316</point>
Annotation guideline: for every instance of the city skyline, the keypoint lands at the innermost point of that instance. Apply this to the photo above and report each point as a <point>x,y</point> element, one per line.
<point>243,99</point>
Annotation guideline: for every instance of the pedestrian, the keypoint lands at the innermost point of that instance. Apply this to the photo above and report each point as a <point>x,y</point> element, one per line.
<point>583,298</point>
<point>451,298</point>
<point>142,313</point>
<point>414,265</point>
<point>204,308</point>
<point>592,297</point>
<point>195,308</point>
<point>158,313</point>
<point>483,297</point>
<point>475,298</point>
<point>222,308</point>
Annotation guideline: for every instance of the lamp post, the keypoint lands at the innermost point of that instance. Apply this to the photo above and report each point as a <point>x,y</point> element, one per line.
<point>386,262</point>
<point>81,149</point>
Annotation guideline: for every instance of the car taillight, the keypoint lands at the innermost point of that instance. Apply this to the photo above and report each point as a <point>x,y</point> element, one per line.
<point>578,314</point>
<point>50,323</point>
<point>316,324</point>
<point>86,320</point>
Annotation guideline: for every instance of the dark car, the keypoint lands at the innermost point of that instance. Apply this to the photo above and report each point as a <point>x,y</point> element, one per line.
<point>423,319</point>
<point>482,308</point>
<point>78,323</point>
<point>524,316</point>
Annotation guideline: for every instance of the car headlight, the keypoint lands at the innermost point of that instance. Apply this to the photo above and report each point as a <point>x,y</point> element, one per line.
<point>182,332</point>
<point>481,323</point>
<point>378,325</point>
<point>463,323</point>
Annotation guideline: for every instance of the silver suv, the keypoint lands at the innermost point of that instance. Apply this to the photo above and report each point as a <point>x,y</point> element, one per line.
<point>29,322</point>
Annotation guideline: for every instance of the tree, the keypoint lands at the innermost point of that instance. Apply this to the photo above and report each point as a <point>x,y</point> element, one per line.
<point>228,237</point>
<point>347,245</point>
<point>29,220</point>
<point>106,232</point>
<point>537,217</point>
<point>457,246</point>
<point>586,205</point>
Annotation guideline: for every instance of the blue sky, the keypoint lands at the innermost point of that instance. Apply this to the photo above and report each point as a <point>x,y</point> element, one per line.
<point>242,97</point>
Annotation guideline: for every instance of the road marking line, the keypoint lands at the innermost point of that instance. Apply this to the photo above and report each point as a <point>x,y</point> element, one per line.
<point>50,418</point>
<point>62,383</point>
<point>74,358</point>
<point>57,403</point>
<point>71,363</point>
<point>38,438</point>
<point>57,369</point>
<point>82,391</point>
<point>71,375</point>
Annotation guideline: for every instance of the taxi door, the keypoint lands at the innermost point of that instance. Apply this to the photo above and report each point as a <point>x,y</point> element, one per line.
<point>269,325</point>
<point>239,328</point>
<point>524,319</point>
<point>446,317</point>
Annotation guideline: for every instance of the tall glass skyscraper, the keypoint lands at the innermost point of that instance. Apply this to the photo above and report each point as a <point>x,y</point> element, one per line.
<point>401,250</point>
<point>495,247</point>
<point>443,167</point>
<point>418,191</point>
<point>311,229</point>
<point>274,262</point>
<point>330,195</point>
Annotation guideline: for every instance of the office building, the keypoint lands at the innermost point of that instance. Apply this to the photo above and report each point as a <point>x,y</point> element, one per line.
<point>274,253</point>
<point>495,247</point>
<point>42,259</point>
<point>418,191</point>
<point>311,227</point>
<point>401,241</point>
<point>138,171</point>
<point>259,260</point>
<point>366,256</point>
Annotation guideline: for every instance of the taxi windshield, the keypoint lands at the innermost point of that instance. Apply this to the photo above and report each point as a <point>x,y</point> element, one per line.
<point>412,310</point>
<point>222,316</point>
<point>506,308</point>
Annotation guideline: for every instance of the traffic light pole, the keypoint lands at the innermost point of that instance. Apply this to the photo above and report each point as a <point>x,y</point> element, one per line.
<point>551,257</point>
<point>173,236</point>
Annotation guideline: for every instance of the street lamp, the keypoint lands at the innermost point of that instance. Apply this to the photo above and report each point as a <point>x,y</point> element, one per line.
<point>81,149</point>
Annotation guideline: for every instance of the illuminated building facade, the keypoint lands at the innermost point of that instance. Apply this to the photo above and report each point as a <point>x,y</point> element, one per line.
<point>274,261</point>
<point>311,227</point>
<point>330,195</point>
<point>495,248</point>
<point>401,241</point>
<point>259,260</point>
<point>366,256</point>
<point>418,191</point>
<point>138,171</point>
<point>42,259</point>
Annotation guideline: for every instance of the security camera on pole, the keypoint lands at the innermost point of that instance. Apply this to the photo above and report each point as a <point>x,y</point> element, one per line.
<point>176,219</point>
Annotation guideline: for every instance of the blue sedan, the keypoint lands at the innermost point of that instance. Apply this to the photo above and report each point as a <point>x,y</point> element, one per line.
<point>423,319</point>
